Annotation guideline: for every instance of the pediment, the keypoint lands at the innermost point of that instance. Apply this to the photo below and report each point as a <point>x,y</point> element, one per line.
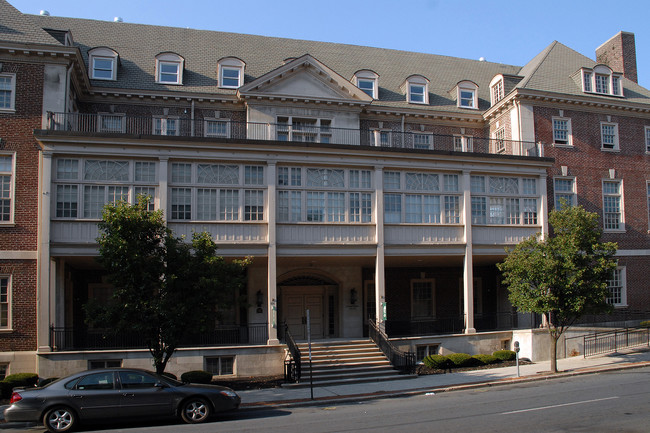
<point>305,78</point>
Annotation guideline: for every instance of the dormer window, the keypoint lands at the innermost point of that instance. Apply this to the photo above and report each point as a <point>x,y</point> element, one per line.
<point>497,91</point>
<point>231,73</point>
<point>417,89</point>
<point>466,94</point>
<point>602,80</point>
<point>169,68</point>
<point>367,81</point>
<point>102,64</point>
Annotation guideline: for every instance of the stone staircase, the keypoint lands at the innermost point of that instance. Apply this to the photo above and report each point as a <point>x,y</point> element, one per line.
<point>345,362</point>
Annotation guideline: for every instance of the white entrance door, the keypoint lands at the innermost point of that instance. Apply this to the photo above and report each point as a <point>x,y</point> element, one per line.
<point>296,301</point>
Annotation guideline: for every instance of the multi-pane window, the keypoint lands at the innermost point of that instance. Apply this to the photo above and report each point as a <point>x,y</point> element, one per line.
<point>111,122</point>
<point>463,143</point>
<point>500,140</point>
<point>427,198</point>
<point>612,205</point>
<point>564,189</point>
<point>220,365</point>
<point>230,77</point>
<point>467,97</point>
<point>422,299</point>
<point>380,137</point>
<point>609,135</point>
<point>616,85</point>
<point>217,192</point>
<point>647,139</point>
<point>5,303</point>
<point>504,200</point>
<point>6,188</point>
<point>165,126</point>
<point>602,80</point>
<point>422,141</point>
<point>417,93</point>
<point>497,92</point>
<point>308,130</point>
<point>617,288</point>
<point>7,91</point>
<point>169,72</point>
<point>602,83</point>
<point>586,81</point>
<point>84,187</point>
<point>367,86</point>
<point>561,131</point>
<point>102,68</point>
<point>323,197</point>
<point>217,128</point>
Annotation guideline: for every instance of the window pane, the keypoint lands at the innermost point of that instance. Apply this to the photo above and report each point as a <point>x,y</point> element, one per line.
<point>316,206</point>
<point>392,208</point>
<point>335,207</point>
<point>181,202</point>
<point>66,201</point>
<point>253,205</point>
<point>145,171</point>
<point>229,205</point>
<point>206,204</point>
<point>182,173</point>
<point>94,200</point>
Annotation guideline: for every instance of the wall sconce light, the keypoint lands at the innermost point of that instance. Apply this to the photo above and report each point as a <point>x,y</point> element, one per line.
<point>353,296</point>
<point>259,299</point>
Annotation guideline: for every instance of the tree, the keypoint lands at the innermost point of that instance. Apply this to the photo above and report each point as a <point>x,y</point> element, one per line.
<point>166,289</point>
<point>564,276</point>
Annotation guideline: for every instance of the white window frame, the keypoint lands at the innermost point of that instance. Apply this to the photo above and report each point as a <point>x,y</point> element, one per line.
<point>590,81</point>
<point>367,76</point>
<point>102,116</point>
<point>164,126</point>
<point>497,89</point>
<point>573,193</point>
<point>569,139</point>
<point>166,59</point>
<point>102,53</point>
<point>376,137</point>
<point>623,287</point>
<point>12,189</point>
<point>470,88</point>
<point>615,145</point>
<point>499,140</point>
<point>8,327</point>
<point>646,131</point>
<point>219,368</point>
<point>208,120</point>
<point>12,89</point>
<point>463,143</point>
<point>416,81</point>
<point>231,64</point>
<point>621,208</point>
<point>423,135</point>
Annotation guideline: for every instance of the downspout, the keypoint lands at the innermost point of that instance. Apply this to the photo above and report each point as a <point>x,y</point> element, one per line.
<point>403,143</point>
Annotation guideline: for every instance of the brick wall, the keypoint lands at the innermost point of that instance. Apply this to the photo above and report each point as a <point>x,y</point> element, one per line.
<point>23,305</point>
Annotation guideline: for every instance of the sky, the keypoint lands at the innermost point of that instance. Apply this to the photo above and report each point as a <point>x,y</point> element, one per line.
<point>503,31</point>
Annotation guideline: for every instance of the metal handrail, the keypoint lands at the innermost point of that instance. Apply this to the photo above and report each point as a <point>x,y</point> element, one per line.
<point>403,361</point>
<point>611,341</point>
<point>293,368</point>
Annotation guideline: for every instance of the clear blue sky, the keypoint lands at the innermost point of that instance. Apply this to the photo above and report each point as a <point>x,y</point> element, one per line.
<point>503,31</point>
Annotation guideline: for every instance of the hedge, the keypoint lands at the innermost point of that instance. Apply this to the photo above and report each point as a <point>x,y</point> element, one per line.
<point>461,360</point>
<point>440,362</point>
<point>485,359</point>
<point>505,355</point>
<point>196,376</point>
<point>17,380</point>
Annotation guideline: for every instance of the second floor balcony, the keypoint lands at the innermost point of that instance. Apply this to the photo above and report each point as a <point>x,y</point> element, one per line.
<point>303,131</point>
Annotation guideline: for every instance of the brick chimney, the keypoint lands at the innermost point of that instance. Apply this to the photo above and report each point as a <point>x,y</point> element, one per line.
<point>619,53</point>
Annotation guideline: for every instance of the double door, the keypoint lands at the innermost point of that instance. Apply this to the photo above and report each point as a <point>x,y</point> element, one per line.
<point>296,302</point>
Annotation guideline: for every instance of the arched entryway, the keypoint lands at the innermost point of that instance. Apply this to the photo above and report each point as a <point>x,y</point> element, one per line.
<point>315,293</point>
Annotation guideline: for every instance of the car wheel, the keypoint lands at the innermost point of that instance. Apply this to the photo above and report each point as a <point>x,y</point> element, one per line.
<point>195,410</point>
<point>59,419</point>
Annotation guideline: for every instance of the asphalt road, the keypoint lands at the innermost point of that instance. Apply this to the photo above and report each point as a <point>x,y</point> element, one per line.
<point>604,402</point>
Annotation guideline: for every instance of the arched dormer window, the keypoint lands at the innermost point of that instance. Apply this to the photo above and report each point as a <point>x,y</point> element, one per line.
<point>416,88</point>
<point>231,72</point>
<point>497,89</point>
<point>467,94</point>
<point>602,80</point>
<point>169,68</point>
<point>368,82</point>
<point>102,63</point>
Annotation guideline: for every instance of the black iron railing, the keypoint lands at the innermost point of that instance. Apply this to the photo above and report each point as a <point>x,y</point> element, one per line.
<point>611,341</point>
<point>293,366</point>
<point>111,123</point>
<point>67,339</point>
<point>404,361</point>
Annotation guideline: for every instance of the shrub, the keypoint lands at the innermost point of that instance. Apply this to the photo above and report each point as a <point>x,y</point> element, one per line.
<point>645,324</point>
<point>440,362</point>
<point>505,355</point>
<point>196,376</point>
<point>485,359</point>
<point>461,360</point>
<point>17,380</point>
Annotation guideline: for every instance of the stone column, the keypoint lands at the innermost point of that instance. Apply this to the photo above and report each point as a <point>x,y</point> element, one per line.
<point>468,263</point>
<point>44,288</point>
<point>272,277</point>
<point>380,275</point>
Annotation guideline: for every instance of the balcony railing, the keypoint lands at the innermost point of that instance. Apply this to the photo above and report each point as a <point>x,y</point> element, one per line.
<point>216,129</point>
<point>68,339</point>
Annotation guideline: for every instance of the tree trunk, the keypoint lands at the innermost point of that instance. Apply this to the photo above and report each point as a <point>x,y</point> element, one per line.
<point>554,339</point>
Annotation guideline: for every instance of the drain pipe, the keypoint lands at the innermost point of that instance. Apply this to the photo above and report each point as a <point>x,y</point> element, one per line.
<point>403,143</point>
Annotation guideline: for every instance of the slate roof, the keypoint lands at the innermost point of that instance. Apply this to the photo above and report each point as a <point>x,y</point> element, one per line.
<point>552,70</point>
<point>17,27</point>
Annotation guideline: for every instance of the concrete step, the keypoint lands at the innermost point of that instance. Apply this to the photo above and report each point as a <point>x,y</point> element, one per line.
<point>304,383</point>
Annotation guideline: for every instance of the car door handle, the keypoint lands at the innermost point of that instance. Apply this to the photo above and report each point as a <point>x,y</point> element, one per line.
<point>77,396</point>
<point>127,394</point>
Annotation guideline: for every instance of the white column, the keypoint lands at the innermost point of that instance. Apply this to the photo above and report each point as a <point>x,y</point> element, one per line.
<point>380,275</point>
<point>44,290</point>
<point>543,206</point>
<point>468,263</point>
<point>163,182</point>
<point>272,277</point>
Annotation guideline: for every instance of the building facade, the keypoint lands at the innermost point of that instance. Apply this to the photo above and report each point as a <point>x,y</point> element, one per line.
<point>367,184</point>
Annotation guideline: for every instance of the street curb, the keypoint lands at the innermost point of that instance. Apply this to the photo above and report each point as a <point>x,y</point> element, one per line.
<point>320,401</point>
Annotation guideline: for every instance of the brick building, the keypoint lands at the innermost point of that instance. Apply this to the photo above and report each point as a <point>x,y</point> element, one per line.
<point>368,184</point>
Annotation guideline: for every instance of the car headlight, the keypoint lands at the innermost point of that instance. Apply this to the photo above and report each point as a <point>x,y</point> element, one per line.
<point>229,393</point>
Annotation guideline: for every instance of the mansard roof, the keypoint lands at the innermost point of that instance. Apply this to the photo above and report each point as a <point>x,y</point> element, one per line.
<point>20,28</point>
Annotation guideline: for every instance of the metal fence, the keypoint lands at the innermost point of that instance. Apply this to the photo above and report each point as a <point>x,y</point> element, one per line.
<point>108,123</point>
<point>293,366</point>
<point>611,341</point>
<point>67,339</point>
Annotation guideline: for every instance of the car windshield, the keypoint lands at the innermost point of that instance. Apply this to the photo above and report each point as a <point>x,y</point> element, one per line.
<point>168,380</point>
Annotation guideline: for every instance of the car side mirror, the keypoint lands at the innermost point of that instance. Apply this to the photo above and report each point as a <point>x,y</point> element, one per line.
<point>160,385</point>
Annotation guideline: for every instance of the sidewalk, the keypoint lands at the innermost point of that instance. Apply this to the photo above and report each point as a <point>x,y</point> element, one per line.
<point>283,397</point>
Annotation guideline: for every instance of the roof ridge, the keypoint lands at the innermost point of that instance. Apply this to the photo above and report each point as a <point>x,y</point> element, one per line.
<point>541,58</point>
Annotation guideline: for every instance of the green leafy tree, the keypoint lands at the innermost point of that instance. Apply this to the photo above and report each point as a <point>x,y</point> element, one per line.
<point>166,289</point>
<point>564,276</point>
